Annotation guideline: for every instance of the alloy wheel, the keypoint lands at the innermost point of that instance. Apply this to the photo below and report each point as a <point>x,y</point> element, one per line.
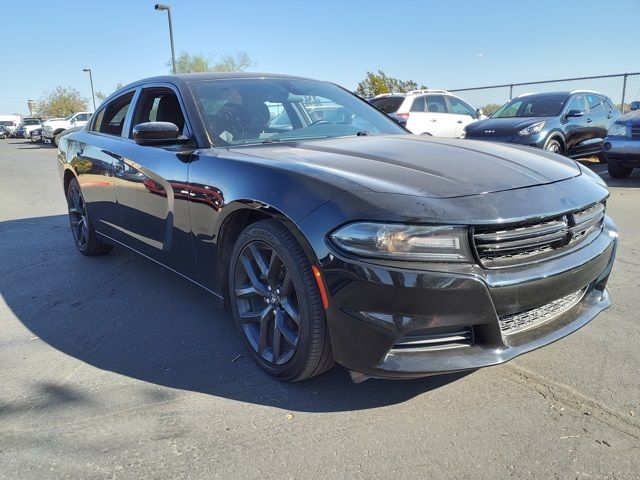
<point>78,217</point>
<point>267,303</point>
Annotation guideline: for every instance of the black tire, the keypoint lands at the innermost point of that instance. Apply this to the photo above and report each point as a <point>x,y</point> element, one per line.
<point>618,171</point>
<point>54,141</point>
<point>270,284</point>
<point>84,235</point>
<point>602,158</point>
<point>554,146</point>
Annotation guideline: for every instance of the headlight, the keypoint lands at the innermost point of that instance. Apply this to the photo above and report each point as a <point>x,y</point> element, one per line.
<point>532,129</point>
<point>617,130</point>
<point>404,242</point>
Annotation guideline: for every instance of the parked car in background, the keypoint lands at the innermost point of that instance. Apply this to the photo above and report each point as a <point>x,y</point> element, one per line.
<point>431,112</point>
<point>395,255</point>
<point>29,124</point>
<point>622,145</point>
<point>19,132</point>
<point>10,122</point>
<point>573,124</point>
<point>635,106</point>
<point>53,127</point>
<point>4,133</point>
<point>36,135</point>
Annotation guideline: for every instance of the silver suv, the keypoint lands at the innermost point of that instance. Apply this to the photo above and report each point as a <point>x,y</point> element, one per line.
<point>432,112</point>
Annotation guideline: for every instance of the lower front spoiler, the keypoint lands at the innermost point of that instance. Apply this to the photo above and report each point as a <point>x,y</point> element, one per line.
<point>416,364</point>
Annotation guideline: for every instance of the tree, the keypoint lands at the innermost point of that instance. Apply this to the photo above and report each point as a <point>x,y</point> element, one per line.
<point>490,108</point>
<point>198,62</point>
<point>377,83</point>
<point>61,102</point>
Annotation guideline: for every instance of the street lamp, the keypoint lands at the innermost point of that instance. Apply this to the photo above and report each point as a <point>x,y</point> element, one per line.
<point>93,95</point>
<point>160,7</point>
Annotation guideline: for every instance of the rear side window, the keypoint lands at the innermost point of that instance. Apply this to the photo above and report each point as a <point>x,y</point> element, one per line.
<point>595,103</point>
<point>418,105</point>
<point>110,120</point>
<point>436,104</point>
<point>387,104</point>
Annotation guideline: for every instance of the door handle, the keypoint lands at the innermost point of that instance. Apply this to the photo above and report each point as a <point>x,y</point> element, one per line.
<point>434,119</point>
<point>588,120</point>
<point>460,121</point>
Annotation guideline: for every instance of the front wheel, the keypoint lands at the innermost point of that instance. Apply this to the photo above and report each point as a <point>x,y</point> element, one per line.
<point>554,146</point>
<point>618,171</point>
<point>83,232</point>
<point>276,303</point>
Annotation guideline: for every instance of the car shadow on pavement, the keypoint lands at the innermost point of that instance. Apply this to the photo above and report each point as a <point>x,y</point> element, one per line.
<point>127,315</point>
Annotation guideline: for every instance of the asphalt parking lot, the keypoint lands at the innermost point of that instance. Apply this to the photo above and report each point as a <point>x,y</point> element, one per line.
<point>112,367</point>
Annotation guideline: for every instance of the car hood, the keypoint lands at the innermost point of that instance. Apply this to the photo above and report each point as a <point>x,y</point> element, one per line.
<point>504,126</point>
<point>416,165</point>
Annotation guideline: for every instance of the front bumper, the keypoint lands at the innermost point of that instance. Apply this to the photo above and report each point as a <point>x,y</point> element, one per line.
<point>374,306</point>
<point>622,151</point>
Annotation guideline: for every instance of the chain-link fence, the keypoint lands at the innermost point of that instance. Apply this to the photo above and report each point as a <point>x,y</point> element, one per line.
<point>622,88</point>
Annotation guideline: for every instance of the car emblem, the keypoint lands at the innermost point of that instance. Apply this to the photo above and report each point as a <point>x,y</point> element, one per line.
<point>489,131</point>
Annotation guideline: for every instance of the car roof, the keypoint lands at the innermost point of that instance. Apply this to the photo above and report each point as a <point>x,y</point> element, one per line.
<point>561,92</point>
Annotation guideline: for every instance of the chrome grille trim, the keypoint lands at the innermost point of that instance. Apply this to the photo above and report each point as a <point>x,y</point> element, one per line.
<point>506,246</point>
<point>519,322</point>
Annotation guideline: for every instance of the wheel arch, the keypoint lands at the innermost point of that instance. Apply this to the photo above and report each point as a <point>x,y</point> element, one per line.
<point>557,135</point>
<point>68,175</point>
<point>239,215</point>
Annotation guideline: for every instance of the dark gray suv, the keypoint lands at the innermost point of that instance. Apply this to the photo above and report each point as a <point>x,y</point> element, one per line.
<point>569,123</point>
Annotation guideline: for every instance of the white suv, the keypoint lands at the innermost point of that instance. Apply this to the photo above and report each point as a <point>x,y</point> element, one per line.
<point>432,112</point>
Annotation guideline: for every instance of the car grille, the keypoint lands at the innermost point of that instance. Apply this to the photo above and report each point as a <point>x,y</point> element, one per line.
<point>635,130</point>
<point>518,322</point>
<point>439,339</point>
<point>507,246</point>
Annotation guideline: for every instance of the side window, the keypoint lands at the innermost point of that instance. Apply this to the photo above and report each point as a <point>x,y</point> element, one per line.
<point>418,105</point>
<point>278,117</point>
<point>83,117</point>
<point>595,103</point>
<point>436,104</point>
<point>577,103</point>
<point>110,120</point>
<point>159,104</point>
<point>460,108</point>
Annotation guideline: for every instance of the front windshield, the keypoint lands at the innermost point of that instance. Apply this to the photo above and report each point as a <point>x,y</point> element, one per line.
<point>249,111</point>
<point>31,121</point>
<point>6,123</point>
<point>533,106</point>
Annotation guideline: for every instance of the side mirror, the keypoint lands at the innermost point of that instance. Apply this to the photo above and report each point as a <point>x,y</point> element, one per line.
<point>402,121</point>
<point>574,113</point>
<point>479,113</point>
<point>635,106</point>
<point>157,133</point>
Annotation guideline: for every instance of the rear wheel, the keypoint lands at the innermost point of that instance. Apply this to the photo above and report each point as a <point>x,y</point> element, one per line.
<point>554,146</point>
<point>276,303</point>
<point>83,232</point>
<point>618,171</point>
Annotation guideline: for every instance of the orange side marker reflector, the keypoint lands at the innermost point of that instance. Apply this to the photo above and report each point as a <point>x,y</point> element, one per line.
<point>321,287</point>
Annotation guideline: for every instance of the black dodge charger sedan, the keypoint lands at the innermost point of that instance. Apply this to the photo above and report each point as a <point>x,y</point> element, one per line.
<point>333,235</point>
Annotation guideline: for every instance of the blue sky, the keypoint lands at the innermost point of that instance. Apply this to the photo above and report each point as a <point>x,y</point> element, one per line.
<point>443,44</point>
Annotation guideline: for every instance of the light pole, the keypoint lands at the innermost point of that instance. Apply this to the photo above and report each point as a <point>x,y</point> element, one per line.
<point>160,7</point>
<point>93,95</point>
